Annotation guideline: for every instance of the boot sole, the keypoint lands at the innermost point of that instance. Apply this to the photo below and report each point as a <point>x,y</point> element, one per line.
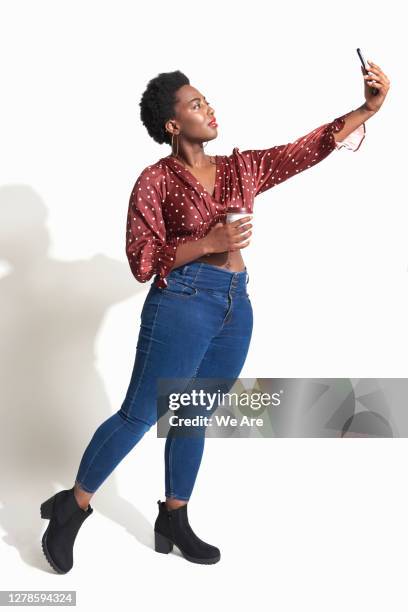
<point>162,544</point>
<point>47,554</point>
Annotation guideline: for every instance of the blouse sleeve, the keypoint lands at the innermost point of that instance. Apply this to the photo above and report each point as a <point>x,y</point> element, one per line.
<point>269,167</point>
<point>146,248</point>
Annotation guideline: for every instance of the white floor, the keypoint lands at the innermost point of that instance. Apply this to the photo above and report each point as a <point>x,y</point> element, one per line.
<point>302,524</point>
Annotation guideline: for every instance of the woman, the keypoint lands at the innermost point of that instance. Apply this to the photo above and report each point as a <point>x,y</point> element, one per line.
<point>196,320</point>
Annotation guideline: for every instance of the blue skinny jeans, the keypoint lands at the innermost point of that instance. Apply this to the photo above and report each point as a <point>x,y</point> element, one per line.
<point>200,325</point>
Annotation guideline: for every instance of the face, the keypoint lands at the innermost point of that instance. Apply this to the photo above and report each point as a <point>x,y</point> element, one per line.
<point>192,116</point>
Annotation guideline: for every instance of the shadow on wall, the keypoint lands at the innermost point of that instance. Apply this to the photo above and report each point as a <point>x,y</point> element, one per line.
<point>52,396</point>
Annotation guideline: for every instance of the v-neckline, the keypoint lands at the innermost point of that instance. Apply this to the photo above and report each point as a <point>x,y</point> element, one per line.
<point>196,181</point>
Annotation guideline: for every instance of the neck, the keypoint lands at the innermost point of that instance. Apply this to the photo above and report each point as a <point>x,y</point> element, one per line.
<point>193,157</point>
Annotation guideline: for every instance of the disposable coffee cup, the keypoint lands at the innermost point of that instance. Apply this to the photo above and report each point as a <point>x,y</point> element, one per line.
<point>238,213</point>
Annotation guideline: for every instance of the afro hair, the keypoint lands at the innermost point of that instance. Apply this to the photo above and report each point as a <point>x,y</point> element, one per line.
<point>157,103</point>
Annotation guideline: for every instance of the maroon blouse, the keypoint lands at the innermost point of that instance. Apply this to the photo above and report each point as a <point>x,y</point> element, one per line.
<point>168,206</point>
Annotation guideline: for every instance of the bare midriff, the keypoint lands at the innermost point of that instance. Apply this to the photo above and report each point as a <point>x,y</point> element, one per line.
<point>231,261</point>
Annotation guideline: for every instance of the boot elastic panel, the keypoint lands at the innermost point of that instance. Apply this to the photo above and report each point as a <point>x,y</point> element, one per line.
<point>68,506</point>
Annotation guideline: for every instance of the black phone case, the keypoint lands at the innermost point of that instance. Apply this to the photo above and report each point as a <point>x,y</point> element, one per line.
<point>374,90</point>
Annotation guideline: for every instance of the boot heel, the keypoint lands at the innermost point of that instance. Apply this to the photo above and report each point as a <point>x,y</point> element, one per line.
<point>162,544</point>
<point>46,508</point>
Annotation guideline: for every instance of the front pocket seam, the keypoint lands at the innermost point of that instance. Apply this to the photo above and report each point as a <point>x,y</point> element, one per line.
<point>168,291</point>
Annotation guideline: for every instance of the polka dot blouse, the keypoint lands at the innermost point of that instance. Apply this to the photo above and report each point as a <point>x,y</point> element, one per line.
<point>169,206</point>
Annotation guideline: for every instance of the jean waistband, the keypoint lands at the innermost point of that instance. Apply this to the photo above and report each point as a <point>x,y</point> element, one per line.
<point>207,276</point>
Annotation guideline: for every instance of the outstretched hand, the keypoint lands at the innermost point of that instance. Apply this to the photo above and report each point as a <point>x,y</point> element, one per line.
<point>378,80</point>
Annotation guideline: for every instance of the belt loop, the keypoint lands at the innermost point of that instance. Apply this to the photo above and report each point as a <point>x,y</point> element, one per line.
<point>198,271</point>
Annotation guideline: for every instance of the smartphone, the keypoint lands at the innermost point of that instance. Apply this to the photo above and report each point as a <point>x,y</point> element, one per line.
<point>366,67</point>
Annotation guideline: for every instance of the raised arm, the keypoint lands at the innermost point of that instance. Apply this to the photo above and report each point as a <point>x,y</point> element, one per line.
<point>269,167</point>
<point>265,168</point>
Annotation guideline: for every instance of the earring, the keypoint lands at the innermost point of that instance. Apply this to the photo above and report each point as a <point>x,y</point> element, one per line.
<point>172,148</point>
<point>175,154</point>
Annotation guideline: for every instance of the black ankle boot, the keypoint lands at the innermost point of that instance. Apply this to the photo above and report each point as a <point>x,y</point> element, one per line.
<point>66,519</point>
<point>172,527</point>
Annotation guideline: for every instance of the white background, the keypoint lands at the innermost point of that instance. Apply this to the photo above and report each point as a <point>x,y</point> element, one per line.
<point>301,524</point>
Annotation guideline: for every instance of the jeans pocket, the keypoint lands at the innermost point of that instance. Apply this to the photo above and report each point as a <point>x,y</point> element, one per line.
<point>176,287</point>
